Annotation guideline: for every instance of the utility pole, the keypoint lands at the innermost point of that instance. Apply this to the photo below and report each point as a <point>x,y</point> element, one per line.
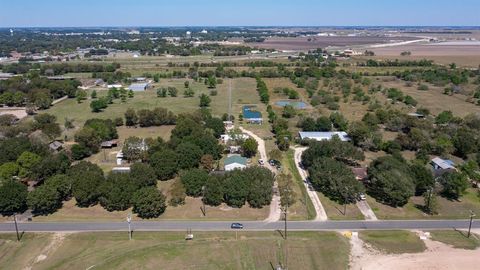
<point>472,215</point>
<point>203,202</point>
<point>129,221</point>
<point>16,226</point>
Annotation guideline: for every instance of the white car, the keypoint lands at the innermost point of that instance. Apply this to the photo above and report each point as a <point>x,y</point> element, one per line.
<point>362,197</point>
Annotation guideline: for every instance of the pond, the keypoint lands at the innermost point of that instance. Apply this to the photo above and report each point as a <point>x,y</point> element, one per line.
<point>295,104</point>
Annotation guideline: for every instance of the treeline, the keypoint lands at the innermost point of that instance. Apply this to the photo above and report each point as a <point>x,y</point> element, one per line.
<point>59,69</point>
<point>39,91</point>
<point>396,63</point>
<point>262,91</point>
<point>438,76</point>
<point>235,188</point>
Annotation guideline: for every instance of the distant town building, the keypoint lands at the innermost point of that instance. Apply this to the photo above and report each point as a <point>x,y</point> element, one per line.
<point>138,87</point>
<point>204,31</point>
<point>251,116</point>
<point>188,34</point>
<point>235,162</point>
<point>324,136</point>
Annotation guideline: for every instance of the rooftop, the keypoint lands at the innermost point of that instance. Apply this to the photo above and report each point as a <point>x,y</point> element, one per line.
<point>320,136</point>
<point>444,164</point>
<point>139,86</point>
<point>236,159</point>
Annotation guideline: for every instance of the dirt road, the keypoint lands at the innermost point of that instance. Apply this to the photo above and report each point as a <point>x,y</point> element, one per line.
<point>320,211</point>
<point>438,256</point>
<point>275,208</point>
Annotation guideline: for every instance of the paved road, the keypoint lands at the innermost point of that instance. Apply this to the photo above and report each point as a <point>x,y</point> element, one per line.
<point>249,225</point>
<point>321,215</point>
<point>275,208</point>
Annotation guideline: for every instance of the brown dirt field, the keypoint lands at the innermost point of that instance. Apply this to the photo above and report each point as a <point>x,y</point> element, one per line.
<point>467,56</point>
<point>302,43</point>
<point>437,256</point>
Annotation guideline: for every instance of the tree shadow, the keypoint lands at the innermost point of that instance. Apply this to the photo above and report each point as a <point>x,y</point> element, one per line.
<point>204,213</point>
<point>462,233</point>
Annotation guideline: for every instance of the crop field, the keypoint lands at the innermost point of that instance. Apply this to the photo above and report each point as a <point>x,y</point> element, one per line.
<point>151,250</point>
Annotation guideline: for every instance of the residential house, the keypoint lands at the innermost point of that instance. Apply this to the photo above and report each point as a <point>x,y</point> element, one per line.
<point>441,166</point>
<point>109,144</point>
<point>234,162</point>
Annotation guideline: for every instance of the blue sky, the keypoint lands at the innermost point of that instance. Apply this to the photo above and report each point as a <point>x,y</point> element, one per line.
<point>21,13</point>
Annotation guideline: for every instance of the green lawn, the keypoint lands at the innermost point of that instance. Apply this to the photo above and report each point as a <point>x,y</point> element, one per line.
<point>396,242</point>
<point>151,250</point>
<point>457,239</point>
<point>336,211</point>
<point>303,207</point>
<point>447,209</point>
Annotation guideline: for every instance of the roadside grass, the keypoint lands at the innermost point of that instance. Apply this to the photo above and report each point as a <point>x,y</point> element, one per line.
<point>304,205</point>
<point>457,239</point>
<point>447,209</point>
<point>335,211</point>
<point>169,250</point>
<point>393,242</point>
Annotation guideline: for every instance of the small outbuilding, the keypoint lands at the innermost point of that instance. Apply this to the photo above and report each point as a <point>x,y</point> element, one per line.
<point>234,162</point>
<point>324,136</point>
<point>139,87</point>
<point>55,146</point>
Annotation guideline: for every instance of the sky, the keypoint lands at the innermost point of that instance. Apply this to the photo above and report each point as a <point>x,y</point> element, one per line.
<point>68,13</point>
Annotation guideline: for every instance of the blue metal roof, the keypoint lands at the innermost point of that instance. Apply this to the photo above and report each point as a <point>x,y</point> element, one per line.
<point>250,113</point>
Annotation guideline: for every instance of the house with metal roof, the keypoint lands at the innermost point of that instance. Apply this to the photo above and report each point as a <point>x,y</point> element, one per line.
<point>234,162</point>
<point>441,166</point>
<point>251,116</point>
<point>324,136</point>
<point>138,87</point>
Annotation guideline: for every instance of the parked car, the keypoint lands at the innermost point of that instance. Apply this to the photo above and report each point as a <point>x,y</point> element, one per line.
<point>236,226</point>
<point>362,197</point>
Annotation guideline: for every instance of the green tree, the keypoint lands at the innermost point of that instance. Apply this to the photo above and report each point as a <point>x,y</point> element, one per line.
<point>143,175</point>
<point>390,181</point>
<point>213,191</point>
<point>13,197</point>
<point>62,184</point>
<point>93,95</point>
<point>27,161</point>
<point>81,95</point>
<point>148,202</point>
<point>131,118</point>
<point>444,117</point>
<point>164,163</point>
<point>431,202</point>
<point>8,171</point>
<point>205,101</point>
<point>86,180</point>
<point>134,149</point>
<point>186,84</point>
<point>177,193</point>
<point>212,82</point>
<point>454,185</point>
<point>335,180</point>
<point>215,124</point>
<point>44,200</point>
<point>193,181</point>
<point>98,105</point>
<point>249,147</point>
<point>116,192</point>
<point>422,178</point>
<point>260,186</point>
<point>288,195</point>
<point>289,111</point>
<point>190,155</point>
<point>88,138</point>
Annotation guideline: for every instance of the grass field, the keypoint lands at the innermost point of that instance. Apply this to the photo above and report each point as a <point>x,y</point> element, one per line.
<point>243,92</point>
<point>262,250</point>
<point>302,194</point>
<point>447,209</point>
<point>457,239</point>
<point>395,242</point>
<point>335,211</point>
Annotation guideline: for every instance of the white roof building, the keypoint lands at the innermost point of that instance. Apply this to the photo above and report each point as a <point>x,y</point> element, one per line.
<point>322,136</point>
<point>234,162</point>
<point>138,87</point>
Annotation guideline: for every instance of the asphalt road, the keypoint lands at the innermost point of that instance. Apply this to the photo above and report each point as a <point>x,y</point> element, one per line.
<point>248,225</point>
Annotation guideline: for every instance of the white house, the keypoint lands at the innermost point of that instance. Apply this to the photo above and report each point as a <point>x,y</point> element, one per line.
<point>138,87</point>
<point>322,136</point>
<point>235,162</point>
<point>232,137</point>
